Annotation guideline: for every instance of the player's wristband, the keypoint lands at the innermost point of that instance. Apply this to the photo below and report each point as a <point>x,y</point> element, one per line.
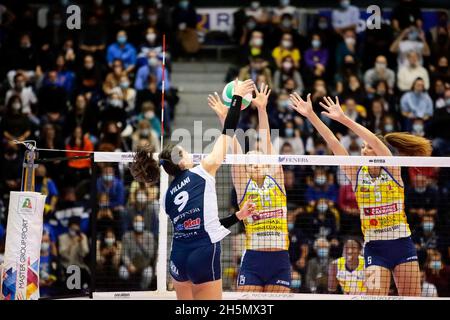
<point>229,221</point>
<point>232,119</point>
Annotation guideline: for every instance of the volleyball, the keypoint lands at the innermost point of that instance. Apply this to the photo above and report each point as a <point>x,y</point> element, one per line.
<point>228,93</point>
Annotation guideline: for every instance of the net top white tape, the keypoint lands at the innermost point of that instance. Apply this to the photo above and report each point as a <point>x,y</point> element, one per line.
<point>299,160</point>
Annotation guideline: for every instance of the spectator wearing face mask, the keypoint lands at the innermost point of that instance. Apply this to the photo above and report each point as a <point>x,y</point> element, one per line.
<point>152,68</point>
<point>379,72</point>
<point>122,50</point>
<point>323,220</point>
<point>375,116</point>
<point>348,46</point>
<point>316,57</point>
<point>138,256</point>
<point>346,17</point>
<point>427,236</point>
<point>258,13</point>
<point>150,47</point>
<point>26,93</point>
<point>126,93</point>
<point>106,217</point>
<point>22,57</point>
<point>296,282</point>
<point>287,71</point>
<point>320,188</point>
<point>354,111</point>
<point>73,249</point>
<point>108,260</point>
<point>291,136</point>
<point>256,67</point>
<point>286,49</point>
<point>147,113</point>
<point>114,187</point>
<point>416,104</point>
<point>317,267</point>
<point>143,200</point>
<point>114,111</point>
<point>112,79</point>
<point>284,8</point>
<point>437,93</point>
<point>144,132</point>
<point>408,74</point>
<point>438,273</point>
<point>438,129</point>
<point>254,46</point>
<point>411,39</point>
<point>47,268</point>
<point>422,199</point>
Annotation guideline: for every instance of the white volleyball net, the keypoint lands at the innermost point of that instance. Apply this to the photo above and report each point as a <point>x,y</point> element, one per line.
<point>312,208</point>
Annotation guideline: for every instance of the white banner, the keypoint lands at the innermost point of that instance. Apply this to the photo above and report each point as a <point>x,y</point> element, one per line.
<point>20,274</point>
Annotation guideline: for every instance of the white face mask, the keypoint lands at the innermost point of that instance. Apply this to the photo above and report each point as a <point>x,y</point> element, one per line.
<point>350,41</point>
<point>109,241</point>
<point>286,44</point>
<point>151,37</point>
<point>257,42</point>
<point>149,115</point>
<point>138,226</point>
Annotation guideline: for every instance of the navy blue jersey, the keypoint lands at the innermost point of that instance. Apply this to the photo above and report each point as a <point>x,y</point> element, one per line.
<point>191,204</point>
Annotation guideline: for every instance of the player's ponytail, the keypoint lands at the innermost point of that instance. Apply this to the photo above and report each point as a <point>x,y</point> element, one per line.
<point>407,144</point>
<point>145,168</point>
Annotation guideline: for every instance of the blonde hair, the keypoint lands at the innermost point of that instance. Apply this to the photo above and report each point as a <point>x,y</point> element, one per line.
<point>408,144</point>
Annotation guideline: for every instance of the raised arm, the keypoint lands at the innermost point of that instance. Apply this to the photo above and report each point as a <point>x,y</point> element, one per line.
<point>260,102</point>
<point>305,109</point>
<point>213,161</point>
<point>237,170</point>
<point>334,111</point>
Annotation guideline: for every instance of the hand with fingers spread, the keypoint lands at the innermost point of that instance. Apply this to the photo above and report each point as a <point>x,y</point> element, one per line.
<point>301,106</point>
<point>244,88</point>
<point>262,96</point>
<point>333,109</point>
<point>219,108</point>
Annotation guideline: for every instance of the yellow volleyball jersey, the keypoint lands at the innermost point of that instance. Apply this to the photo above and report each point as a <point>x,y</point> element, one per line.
<point>267,227</point>
<point>351,282</point>
<point>381,202</point>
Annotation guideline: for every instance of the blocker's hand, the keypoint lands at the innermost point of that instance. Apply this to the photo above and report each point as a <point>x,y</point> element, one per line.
<point>333,109</point>
<point>262,96</point>
<point>301,106</point>
<point>219,108</point>
<point>244,88</point>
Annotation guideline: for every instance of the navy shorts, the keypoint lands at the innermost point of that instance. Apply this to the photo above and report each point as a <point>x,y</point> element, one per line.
<point>389,253</point>
<point>262,268</point>
<point>198,264</point>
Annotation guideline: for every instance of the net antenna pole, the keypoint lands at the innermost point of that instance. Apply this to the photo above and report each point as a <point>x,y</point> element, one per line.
<point>163,89</point>
<point>29,167</point>
<point>161,262</point>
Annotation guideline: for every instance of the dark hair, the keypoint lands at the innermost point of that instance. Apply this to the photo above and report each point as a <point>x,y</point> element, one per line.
<point>145,167</point>
<point>166,159</point>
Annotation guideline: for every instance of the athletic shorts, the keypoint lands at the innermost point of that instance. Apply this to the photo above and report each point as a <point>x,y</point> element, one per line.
<point>389,253</point>
<point>262,268</point>
<point>198,265</point>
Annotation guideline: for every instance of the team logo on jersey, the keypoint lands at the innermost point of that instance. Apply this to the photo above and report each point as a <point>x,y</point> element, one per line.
<point>374,211</point>
<point>173,268</point>
<point>241,279</point>
<point>191,224</point>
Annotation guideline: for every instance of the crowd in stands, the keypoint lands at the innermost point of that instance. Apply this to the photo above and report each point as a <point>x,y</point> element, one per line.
<point>99,88</point>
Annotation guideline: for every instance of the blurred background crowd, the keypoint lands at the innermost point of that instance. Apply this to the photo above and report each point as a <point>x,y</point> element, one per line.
<point>99,88</point>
